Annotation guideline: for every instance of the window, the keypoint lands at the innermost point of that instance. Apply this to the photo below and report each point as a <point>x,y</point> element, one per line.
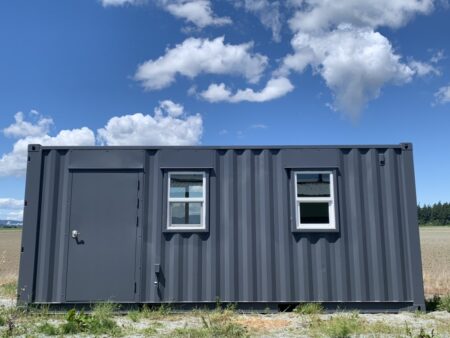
<point>186,200</point>
<point>314,200</point>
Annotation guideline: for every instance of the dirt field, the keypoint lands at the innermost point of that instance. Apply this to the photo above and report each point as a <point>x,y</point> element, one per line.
<point>9,255</point>
<point>435,244</point>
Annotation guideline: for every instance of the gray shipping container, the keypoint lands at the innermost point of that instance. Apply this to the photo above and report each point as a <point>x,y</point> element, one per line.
<point>258,226</point>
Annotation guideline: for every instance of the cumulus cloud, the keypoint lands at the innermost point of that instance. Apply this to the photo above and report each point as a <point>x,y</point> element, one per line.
<point>423,68</point>
<point>275,88</point>
<point>107,3</point>
<point>268,13</point>
<point>354,62</point>
<point>339,41</point>
<point>442,96</point>
<point>168,126</point>
<point>319,15</point>
<point>10,203</point>
<point>22,128</point>
<point>197,56</point>
<point>11,209</point>
<point>14,162</point>
<point>197,12</point>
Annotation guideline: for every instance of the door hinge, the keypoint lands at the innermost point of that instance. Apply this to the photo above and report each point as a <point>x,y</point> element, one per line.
<point>134,287</point>
<point>139,185</point>
<point>137,221</point>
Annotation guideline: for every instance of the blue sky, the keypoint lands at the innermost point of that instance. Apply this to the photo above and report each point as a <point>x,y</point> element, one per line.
<point>225,72</point>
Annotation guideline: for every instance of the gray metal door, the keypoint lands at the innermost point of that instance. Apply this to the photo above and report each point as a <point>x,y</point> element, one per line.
<point>101,260</point>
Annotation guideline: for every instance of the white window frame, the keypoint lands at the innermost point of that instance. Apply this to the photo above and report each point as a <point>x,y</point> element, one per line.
<point>202,200</point>
<point>330,200</point>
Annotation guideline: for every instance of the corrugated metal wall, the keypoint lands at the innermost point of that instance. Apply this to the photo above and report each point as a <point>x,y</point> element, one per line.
<point>250,253</point>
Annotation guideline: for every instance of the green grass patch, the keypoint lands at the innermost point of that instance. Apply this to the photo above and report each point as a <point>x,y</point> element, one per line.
<point>444,303</point>
<point>309,309</point>
<point>148,312</point>
<point>216,323</point>
<point>99,322</point>
<point>342,325</point>
<point>48,329</point>
<point>438,303</point>
<point>8,290</point>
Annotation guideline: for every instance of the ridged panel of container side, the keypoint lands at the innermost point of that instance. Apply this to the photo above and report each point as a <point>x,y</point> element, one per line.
<point>250,252</point>
<point>52,240</point>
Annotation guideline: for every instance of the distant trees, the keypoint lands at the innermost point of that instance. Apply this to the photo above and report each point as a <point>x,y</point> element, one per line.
<point>436,214</point>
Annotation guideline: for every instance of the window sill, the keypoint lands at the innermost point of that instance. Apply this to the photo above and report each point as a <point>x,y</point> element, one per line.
<point>312,230</point>
<point>168,231</point>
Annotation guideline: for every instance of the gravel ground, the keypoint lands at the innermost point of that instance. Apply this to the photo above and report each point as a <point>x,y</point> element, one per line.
<point>282,324</point>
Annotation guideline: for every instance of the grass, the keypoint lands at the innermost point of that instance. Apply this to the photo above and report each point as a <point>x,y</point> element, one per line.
<point>100,322</point>
<point>438,303</point>
<point>8,290</point>
<point>309,309</point>
<point>435,257</point>
<point>148,312</point>
<point>217,323</point>
<point>352,324</point>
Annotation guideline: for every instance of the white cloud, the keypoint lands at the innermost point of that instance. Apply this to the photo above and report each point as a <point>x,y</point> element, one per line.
<point>173,109</point>
<point>258,126</point>
<point>438,56</point>
<point>197,12</point>
<point>11,203</point>
<point>319,15</point>
<point>197,56</point>
<point>442,96</point>
<point>11,209</point>
<point>107,3</point>
<point>338,39</point>
<point>275,88</point>
<point>168,126</point>
<point>268,13</point>
<point>423,68</point>
<point>22,128</point>
<point>14,162</point>
<point>354,62</point>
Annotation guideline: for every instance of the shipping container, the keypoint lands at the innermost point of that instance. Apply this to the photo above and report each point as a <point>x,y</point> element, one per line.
<point>260,226</point>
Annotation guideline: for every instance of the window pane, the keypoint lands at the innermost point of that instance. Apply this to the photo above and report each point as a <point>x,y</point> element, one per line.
<point>313,185</point>
<point>186,185</point>
<point>186,213</point>
<point>314,213</point>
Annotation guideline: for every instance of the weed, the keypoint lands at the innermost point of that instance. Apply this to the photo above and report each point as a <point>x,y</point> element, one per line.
<point>341,325</point>
<point>154,312</point>
<point>431,304</point>
<point>135,315</point>
<point>99,322</point>
<point>217,323</point>
<point>309,309</point>
<point>8,290</point>
<point>423,334</point>
<point>48,329</point>
<point>149,331</point>
<point>438,303</point>
<point>444,303</point>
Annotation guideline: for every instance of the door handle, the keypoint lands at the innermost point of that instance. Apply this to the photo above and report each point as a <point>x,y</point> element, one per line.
<point>75,234</point>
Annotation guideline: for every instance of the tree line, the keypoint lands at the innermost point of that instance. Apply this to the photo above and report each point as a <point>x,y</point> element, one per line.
<point>436,214</point>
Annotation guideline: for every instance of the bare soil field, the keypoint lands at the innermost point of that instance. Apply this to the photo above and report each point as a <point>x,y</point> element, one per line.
<point>9,255</point>
<point>435,245</point>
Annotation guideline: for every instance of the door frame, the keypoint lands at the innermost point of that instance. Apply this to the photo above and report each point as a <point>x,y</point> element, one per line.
<point>139,228</point>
